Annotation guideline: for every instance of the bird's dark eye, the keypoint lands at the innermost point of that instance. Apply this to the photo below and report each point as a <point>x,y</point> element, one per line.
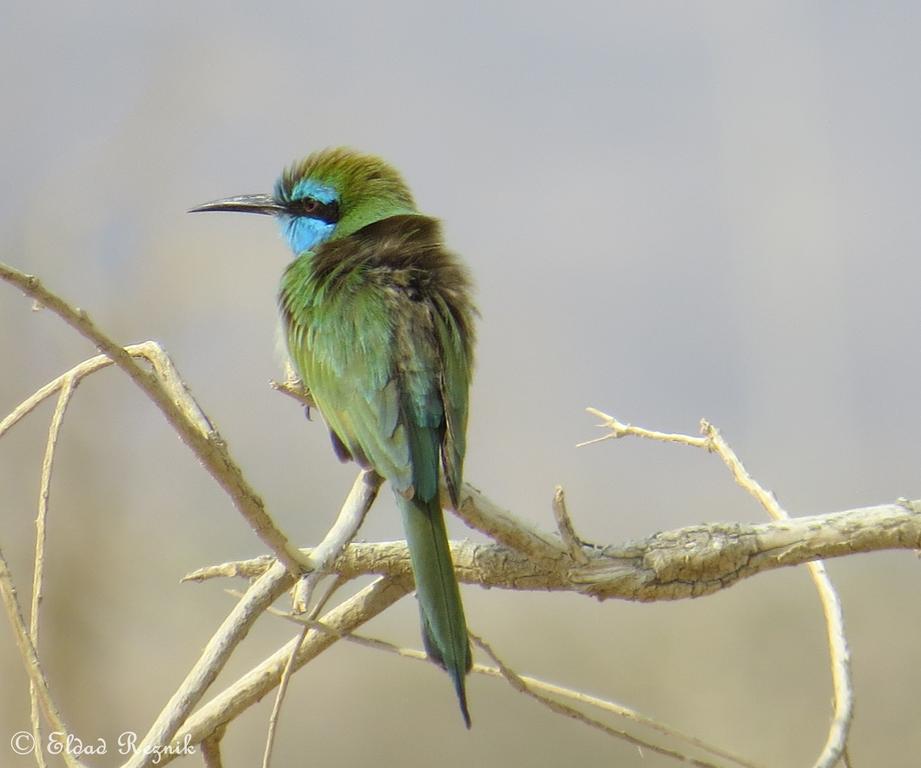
<point>316,209</point>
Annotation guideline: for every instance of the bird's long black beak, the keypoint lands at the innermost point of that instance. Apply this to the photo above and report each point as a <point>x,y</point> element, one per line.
<point>265,204</point>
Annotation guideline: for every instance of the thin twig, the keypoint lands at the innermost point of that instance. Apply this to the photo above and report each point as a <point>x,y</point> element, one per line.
<point>520,685</point>
<point>337,583</point>
<point>38,570</point>
<point>246,569</point>
<point>75,374</point>
<point>309,622</point>
<point>349,520</point>
<point>532,682</point>
<point>290,668</point>
<point>31,661</point>
<point>280,697</point>
<point>619,430</point>
<point>839,654</point>
<point>717,445</point>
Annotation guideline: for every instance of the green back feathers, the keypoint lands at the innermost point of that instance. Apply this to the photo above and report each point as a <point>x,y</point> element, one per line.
<point>380,327</point>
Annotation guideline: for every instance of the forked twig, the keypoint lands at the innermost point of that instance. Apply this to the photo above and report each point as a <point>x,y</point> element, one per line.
<point>831,605</point>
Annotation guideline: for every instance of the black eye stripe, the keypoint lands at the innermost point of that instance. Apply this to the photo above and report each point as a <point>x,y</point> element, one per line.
<point>315,209</point>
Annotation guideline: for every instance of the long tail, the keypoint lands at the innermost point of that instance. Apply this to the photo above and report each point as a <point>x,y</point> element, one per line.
<point>444,628</point>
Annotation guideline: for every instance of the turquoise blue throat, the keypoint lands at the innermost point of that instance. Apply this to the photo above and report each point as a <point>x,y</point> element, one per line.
<point>304,233</point>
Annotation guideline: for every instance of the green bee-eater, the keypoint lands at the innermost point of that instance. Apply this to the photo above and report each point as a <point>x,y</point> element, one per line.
<point>379,325</point>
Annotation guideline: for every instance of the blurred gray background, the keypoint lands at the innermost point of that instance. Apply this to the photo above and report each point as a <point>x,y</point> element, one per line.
<point>672,210</point>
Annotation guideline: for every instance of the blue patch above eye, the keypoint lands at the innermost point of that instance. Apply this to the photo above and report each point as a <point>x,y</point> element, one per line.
<point>304,233</point>
<point>312,188</point>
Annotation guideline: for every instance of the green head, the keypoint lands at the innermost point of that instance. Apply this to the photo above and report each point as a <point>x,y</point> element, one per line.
<point>329,194</point>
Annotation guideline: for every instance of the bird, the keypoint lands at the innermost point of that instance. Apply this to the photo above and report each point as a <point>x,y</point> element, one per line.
<point>378,318</point>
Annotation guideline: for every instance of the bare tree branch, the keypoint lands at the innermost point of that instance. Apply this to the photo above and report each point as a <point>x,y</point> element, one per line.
<point>349,520</point>
<point>38,568</point>
<point>217,652</point>
<point>351,516</point>
<point>687,562</point>
<point>175,403</point>
<point>839,654</point>
<point>671,565</point>
<point>483,515</point>
<point>712,440</point>
<point>256,683</point>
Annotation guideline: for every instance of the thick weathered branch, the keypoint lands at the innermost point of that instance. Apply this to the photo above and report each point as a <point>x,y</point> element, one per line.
<point>671,565</point>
